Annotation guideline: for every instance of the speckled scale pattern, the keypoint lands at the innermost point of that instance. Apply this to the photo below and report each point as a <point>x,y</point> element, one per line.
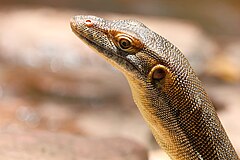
<point>193,123</point>
<point>177,109</point>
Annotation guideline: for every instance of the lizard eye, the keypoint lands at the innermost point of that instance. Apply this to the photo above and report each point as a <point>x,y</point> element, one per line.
<point>125,43</point>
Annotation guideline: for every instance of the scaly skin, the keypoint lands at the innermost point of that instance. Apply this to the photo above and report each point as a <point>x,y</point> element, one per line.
<point>164,86</point>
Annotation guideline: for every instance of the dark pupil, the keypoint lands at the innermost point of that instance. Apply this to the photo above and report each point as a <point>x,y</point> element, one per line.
<point>124,43</point>
<point>158,74</point>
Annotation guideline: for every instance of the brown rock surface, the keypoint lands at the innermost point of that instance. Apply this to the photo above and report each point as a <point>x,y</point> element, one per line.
<point>52,146</point>
<point>226,66</point>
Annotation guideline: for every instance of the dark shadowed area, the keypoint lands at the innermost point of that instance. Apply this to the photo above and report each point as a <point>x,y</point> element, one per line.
<point>60,100</point>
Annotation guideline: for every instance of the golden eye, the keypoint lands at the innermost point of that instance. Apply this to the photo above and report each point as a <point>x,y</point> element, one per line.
<point>125,43</point>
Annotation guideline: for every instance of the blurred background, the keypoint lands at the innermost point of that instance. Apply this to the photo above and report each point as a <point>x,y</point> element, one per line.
<point>60,100</point>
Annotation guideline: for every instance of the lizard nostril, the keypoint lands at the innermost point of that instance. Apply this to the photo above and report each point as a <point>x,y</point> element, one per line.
<point>89,23</point>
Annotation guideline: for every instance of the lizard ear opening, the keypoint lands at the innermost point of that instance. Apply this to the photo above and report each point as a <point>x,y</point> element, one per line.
<point>157,75</point>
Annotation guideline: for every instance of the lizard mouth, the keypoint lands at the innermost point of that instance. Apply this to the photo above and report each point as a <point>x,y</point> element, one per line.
<point>85,39</point>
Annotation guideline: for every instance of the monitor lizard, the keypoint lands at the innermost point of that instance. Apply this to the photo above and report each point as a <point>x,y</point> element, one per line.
<point>164,86</point>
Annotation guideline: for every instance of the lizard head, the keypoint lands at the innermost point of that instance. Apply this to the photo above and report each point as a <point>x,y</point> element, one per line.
<point>127,44</point>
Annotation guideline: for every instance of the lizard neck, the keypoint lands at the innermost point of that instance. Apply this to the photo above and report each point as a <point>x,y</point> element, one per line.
<point>144,99</point>
<point>171,127</point>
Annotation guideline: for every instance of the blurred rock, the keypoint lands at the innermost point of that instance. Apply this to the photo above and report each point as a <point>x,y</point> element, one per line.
<point>226,66</point>
<point>23,114</point>
<point>86,119</point>
<point>158,155</point>
<point>108,121</point>
<point>223,20</point>
<point>52,146</point>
